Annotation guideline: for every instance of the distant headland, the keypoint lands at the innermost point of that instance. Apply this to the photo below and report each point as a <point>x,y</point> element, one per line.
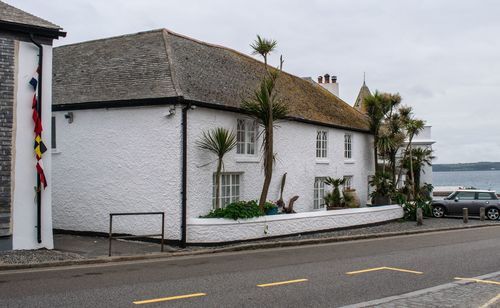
<point>480,166</point>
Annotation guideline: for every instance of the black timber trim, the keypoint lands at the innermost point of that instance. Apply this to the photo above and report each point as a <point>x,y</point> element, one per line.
<point>119,103</point>
<point>35,30</point>
<point>179,100</point>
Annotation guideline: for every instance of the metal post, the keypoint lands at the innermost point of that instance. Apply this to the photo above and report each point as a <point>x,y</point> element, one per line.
<point>482,213</point>
<point>420,217</point>
<point>110,233</point>
<point>466,215</point>
<point>162,230</point>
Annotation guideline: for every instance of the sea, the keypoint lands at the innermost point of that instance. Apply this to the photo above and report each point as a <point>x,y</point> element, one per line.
<point>477,179</point>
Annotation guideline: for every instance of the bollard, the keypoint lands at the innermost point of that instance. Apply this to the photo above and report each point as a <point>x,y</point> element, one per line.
<point>466,215</point>
<point>482,214</point>
<point>420,217</point>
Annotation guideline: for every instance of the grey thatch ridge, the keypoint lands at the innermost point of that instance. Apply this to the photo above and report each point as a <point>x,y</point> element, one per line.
<point>163,64</point>
<point>11,14</point>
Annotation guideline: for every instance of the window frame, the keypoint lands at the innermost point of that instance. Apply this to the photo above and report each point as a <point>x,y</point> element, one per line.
<point>321,144</point>
<point>348,146</point>
<point>348,181</point>
<point>243,137</point>
<point>233,196</point>
<point>319,193</point>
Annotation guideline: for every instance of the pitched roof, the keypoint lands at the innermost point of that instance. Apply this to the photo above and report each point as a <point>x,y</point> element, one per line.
<point>364,92</point>
<point>161,64</point>
<point>14,15</point>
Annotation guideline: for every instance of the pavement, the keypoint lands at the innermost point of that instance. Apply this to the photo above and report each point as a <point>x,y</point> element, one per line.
<point>323,275</point>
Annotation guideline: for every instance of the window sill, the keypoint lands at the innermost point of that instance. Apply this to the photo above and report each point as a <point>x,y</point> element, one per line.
<point>247,159</point>
<point>349,161</point>
<point>55,151</point>
<point>322,161</point>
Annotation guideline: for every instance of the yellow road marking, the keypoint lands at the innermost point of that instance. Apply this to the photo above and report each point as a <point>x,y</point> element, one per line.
<point>478,280</point>
<point>164,299</point>
<point>280,283</point>
<point>491,301</point>
<point>384,268</point>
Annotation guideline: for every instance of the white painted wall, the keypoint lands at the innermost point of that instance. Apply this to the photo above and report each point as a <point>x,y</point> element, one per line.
<point>24,233</point>
<point>217,230</point>
<point>118,160</point>
<point>295,145</point>
<point>129,159</point>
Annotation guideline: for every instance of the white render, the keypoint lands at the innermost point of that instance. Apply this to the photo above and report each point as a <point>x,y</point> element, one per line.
<point>218,230</point>
<point>129,160</point>
<point>24,214</point>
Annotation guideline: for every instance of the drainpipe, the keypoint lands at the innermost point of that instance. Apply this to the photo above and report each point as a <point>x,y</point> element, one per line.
<point>184,175</point>
<point>39,110</point>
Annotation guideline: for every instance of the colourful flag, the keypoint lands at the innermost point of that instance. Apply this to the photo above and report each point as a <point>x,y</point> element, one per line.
<point>39,146</point>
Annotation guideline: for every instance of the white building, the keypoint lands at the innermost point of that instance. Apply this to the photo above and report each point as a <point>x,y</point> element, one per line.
<point>129,109</point>
<point>25,45</point>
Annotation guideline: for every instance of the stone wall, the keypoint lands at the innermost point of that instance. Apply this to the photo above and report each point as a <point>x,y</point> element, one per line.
<point>7,65</point>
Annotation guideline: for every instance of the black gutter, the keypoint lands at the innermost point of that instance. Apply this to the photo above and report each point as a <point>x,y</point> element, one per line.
<point>52,33</point>
<point>39,110</point>
<point>184,174</point>
<point>160,101</point>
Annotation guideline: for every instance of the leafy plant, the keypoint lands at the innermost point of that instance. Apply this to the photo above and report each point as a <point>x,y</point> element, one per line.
<point>218,141</point>
<point>384,187</point>
<point>265,107</point>
<point>334,198</point>
<point>236,210</point>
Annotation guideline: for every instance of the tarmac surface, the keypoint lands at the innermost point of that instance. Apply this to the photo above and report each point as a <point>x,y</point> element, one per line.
<point>325,275</point>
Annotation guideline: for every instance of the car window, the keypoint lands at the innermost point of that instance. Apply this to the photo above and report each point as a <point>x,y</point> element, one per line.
<point>484,196</point>
<point>464,195</point>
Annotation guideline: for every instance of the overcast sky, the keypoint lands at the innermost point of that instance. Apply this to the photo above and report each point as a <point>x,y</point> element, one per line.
<point>443,57</point>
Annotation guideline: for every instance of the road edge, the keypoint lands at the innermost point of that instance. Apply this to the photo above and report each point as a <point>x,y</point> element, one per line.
<point>234,248</point>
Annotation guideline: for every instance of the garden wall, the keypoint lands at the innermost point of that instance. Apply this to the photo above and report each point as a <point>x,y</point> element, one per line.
<point>219,230</point>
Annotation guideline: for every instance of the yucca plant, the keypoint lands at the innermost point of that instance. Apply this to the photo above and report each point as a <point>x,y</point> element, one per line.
<point>218,141</point>
<point>266,108</point>
<point>335,199</point>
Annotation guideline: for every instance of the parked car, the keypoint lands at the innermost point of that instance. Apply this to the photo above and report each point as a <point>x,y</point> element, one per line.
<point>470,199</point>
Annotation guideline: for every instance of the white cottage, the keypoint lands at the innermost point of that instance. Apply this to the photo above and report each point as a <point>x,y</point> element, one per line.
<point>25,61</point>
<point>129,109</point>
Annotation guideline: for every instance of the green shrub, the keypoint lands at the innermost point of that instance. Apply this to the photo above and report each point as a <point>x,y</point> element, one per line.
<point>238,209</point>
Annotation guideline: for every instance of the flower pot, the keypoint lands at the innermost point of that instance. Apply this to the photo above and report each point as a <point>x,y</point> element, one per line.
<point>352,198</point>
<point>381,200</point>
<point>272,211</point>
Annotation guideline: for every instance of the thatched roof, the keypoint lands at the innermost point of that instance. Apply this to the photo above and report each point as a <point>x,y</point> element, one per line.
<point>161,64</point>
<point>11,14</point>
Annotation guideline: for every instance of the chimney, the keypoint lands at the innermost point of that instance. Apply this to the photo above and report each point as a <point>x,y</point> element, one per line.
<point>332,87</point>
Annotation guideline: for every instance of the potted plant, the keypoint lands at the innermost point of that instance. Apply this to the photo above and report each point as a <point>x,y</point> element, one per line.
<point>333,199</point>
<point>351,198</point>
<point>270,208</point>
<point>384,188</point>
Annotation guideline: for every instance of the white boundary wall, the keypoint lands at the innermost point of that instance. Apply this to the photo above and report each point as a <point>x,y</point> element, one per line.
<point>219,230</point>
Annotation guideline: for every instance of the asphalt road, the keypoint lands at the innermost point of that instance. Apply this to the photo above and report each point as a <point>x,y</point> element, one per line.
<point>231,279</point>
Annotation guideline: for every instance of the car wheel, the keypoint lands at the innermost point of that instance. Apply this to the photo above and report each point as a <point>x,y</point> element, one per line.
<point>438,211</point>
<point>492,213</point>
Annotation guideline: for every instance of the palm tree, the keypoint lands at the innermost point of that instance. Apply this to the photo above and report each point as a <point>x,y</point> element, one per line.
<point>259,107</point>
<point>418,158</point>
<point>263,47</point>
<point>412,127</point>
<point>218,141</point>
<point>377,107</point>
<point>266,108</point>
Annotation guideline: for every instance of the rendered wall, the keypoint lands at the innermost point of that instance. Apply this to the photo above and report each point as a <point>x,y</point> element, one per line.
<point>218,230</point>
<point>118,160</point>
<point>295,145</point>
<point>24,205</point>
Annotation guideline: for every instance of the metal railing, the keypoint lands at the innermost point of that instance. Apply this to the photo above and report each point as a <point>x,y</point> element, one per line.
<point>111,237</point>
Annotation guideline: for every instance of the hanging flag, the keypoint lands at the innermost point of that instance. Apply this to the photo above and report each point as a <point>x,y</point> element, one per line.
<point>39,146</point>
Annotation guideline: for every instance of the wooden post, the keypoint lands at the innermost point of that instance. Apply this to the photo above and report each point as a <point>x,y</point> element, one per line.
<point>420,217</point>
<point>482,213</point>
<point>466,215</point>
